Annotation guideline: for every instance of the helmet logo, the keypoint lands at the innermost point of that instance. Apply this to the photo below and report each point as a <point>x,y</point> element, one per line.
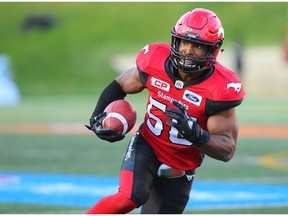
<point>220,31</point>
<point>146,48</point>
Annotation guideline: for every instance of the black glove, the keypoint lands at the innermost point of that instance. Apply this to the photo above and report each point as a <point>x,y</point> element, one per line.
<point>103,133</point>
<point>186,126</point>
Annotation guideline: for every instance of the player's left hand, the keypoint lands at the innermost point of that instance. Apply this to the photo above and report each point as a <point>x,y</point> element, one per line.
<point>186,126</point>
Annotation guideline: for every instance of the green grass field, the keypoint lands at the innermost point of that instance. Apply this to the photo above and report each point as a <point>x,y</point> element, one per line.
<point>87,155</point>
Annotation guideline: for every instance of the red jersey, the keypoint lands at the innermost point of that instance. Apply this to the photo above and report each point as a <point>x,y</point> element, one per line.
<point>216,90</point>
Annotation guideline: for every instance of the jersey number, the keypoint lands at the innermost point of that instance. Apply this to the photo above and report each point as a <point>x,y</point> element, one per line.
<point>158,127</point>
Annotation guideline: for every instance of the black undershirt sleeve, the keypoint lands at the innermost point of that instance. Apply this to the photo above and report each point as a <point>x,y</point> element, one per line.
<point>111,93</point>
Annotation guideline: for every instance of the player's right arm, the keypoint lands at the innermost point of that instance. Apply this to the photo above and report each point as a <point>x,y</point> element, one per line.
<point>127,83</point>
<point>130,81</point>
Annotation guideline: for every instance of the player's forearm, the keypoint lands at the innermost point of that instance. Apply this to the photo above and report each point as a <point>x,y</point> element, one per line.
<point>220,147</point>
<point>111,93</point>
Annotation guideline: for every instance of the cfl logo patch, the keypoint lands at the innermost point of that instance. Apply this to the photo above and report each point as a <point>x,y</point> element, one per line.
<point>160,84</point>
<point>179,84</point>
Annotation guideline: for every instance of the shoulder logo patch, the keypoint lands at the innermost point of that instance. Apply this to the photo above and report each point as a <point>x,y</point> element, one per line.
<point>192,97</point>
<point>237,86</point>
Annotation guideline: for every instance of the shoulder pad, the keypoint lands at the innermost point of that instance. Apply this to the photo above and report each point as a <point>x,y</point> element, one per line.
<point>229,86</point>
<point>152,55</point>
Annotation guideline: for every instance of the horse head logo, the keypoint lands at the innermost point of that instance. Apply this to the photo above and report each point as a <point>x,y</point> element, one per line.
<point>237,86</point>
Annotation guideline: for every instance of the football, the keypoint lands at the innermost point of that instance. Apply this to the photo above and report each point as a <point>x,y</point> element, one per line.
<point>121,116</point>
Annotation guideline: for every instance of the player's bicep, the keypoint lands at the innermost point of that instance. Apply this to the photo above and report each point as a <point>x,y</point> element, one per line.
<point>224,123</point>
<point>130,81</point>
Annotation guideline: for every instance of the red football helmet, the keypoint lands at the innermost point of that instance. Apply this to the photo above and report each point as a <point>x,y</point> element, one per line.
<point>200,26</point>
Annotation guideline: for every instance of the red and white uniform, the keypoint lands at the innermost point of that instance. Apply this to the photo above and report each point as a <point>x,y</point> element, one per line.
<point>217,90</point>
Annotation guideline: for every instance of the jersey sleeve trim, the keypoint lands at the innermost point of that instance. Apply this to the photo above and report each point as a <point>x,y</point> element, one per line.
<point>212,107</point>
<point>143,76</point>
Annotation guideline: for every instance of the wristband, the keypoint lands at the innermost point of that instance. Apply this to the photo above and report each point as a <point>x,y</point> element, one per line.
<point>203,138</point>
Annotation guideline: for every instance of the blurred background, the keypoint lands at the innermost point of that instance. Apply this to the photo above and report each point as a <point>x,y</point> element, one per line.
<point>68,48</point>
<point>55,59</point>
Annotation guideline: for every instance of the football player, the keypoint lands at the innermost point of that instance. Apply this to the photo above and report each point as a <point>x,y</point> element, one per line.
<point>190,113</point>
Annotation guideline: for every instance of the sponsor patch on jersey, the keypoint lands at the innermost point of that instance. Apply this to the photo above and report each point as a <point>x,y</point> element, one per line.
<point>192,97</point>
<point>237,86</point>
<point>160,84</point>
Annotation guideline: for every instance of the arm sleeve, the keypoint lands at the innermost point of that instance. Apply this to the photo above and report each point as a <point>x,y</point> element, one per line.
<point>111,93</point>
